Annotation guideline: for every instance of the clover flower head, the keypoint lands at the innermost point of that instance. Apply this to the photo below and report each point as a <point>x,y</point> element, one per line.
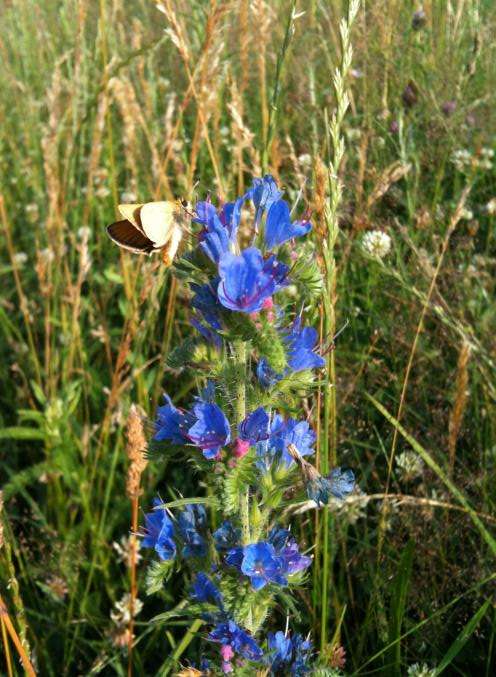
<point>376,243</point>
<point>159,533</point>
<point>279,228</point>
<point>246,281</point>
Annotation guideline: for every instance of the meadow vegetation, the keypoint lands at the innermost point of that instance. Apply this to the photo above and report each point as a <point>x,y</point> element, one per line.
<point>113,101</point>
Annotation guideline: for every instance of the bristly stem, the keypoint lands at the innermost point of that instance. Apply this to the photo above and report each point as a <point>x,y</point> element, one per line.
<point>240,414</point>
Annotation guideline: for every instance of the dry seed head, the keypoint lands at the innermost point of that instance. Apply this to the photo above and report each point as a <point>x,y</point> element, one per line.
<point>136,448</point>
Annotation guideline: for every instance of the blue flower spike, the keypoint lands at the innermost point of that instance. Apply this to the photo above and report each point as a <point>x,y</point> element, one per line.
<point>160,532</point>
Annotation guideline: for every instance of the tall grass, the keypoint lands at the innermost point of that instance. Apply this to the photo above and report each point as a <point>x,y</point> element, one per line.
<point>111,101</point>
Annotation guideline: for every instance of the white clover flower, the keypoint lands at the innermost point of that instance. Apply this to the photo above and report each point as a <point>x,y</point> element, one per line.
<point>32,212</point>
<point>128,196</point>
<point>376,243</point>
<point>20,259</point>
<point>487,152</point>
<point>121,615</point>
<point>46,255</point>
<point>305,160</point>
<point>410,464</point>
<point>490,207</point>
<point>102,192</point>
<point>84,233</point>
<point>421,670</point>
<point>466,214</point>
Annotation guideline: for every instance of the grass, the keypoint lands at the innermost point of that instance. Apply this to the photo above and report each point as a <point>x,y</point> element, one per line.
<point>106,101</point>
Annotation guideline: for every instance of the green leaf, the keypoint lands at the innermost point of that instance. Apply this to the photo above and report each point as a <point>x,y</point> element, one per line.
<point>463,637</point>
<point>398,604</point>
<point>424,454</point>
<point>156,574</point>
<point>21,433</point>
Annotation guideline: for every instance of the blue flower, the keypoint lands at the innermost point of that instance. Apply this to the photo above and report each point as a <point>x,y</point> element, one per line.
<point>234,557</point>
<point>264,193</point>
<point>279,228</point>
<point>293,432</point>
<point>255,427</point>
<point>281,650</point>
<point>208,334</point>
<point>262,565</point>
<point>339,484</point>
<point>214,238</point>
<point>172,423</point>
<point>226,536</point>
<point>206,302</point>
<point>267,377</point>
<point>290,654</point>
<point>203,590</point>
<point>211,430</point>
<point>191,525</point>
<point>228,633</point>
<point>159,533</point>
<point>230,216</point>
<point>287,552</point>
<point>300,344</point>
<point>246,281</point>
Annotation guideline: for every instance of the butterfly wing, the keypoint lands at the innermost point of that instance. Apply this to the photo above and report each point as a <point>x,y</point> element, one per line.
<point>157,221</point>
<point>170,249</point>
<point>128,237</point>
<point>131,213</point>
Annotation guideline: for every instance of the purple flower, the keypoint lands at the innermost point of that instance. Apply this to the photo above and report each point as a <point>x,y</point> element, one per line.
<point>267,377</point>
<point>228,633</point>
<point>214,238</point>
<point>339,484</point>
<point>203,590</point>
<point>255,427</point>
<point>211,430</point>
<point>289,652</point>
<point>287,432</point>
<point>246,281</point>
<point>172,423</point>
<point>281,649</point>
<point>279,228</point>
<point>191,525</point>
<point>300,343</point>
<point>159,533</point>
<point>262,565</point>
<point>287,552</point>
<point>226,536</point>
<point>264,193</point>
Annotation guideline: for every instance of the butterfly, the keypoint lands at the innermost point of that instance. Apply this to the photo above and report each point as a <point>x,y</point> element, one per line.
<point>150,227</point>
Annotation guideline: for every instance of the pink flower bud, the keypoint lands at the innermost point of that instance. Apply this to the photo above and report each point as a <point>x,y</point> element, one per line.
<point>241,448</point>
<point>268,304</point>
<point>226,652</point>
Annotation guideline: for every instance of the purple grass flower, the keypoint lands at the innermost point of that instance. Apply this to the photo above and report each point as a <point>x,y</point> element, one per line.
<point>159,533</point>
<point>262,565</point>
<point>172,423</point>
<point>246,281</point>
<point>279,228</point>
<point>211,429</point>
<point>203,590</point>
<point>228,633</point>
<point>255,427</point>
<point>300,343</point>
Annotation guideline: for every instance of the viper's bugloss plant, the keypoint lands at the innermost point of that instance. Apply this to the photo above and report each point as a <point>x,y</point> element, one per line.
<point>246,433</point>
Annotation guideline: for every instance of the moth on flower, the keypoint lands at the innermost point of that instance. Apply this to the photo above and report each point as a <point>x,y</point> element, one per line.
<point>150,227</point>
